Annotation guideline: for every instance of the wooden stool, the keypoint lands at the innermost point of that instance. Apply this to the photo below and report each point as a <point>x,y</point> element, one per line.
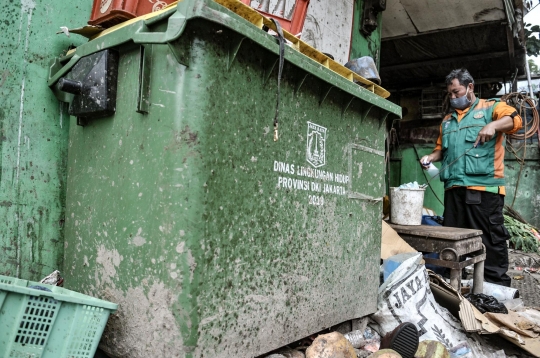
<point>450,243</point>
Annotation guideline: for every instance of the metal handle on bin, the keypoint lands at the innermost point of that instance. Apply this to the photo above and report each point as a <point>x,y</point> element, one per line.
<point>70,86</point>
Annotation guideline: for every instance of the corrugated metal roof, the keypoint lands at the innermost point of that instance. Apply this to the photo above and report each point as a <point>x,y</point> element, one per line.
<point>412,17</point>
<point>424,39</point>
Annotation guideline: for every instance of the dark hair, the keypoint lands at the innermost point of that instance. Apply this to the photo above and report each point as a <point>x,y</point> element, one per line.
<point>462,75</point>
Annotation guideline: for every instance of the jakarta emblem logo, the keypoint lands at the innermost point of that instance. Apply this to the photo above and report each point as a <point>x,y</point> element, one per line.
<point>316,145</point>
<point>104,6</point>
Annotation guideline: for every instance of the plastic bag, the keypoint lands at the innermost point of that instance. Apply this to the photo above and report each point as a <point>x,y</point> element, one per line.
<point>368,340</point>
<point>485,303</point>
<point>413,185</point>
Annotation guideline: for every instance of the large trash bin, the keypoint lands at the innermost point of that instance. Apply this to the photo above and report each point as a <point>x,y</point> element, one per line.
<point>215,239</point>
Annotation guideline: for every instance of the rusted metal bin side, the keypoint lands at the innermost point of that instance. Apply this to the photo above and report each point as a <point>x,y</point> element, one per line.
<point>214,239</point>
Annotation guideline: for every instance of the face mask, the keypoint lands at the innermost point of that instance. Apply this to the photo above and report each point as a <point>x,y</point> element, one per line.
<point>461,102</point>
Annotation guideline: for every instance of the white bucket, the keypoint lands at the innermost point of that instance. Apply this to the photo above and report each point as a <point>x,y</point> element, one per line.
<point>406,206</point>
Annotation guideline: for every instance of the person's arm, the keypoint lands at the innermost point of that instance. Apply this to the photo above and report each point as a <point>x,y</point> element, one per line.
<point>505,119</point>
<point>503,124</point>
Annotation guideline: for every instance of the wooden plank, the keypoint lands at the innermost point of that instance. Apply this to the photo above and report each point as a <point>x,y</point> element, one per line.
<point>431,244</point>
<point>440,232</point>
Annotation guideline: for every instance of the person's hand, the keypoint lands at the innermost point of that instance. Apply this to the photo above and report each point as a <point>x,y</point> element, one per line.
<point>425,161</point>
<point>485,134</point>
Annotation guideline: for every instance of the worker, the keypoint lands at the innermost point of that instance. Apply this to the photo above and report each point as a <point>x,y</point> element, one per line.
<point>471,147</point>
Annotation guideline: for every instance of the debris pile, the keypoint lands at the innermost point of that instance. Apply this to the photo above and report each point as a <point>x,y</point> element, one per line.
<point>420,315</point>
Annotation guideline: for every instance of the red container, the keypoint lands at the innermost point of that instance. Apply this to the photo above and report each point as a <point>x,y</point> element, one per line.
<point>291,18</point>
<point>108,13</point>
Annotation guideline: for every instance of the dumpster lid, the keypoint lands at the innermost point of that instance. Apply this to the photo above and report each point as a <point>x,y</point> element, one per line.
<point>239,17</point>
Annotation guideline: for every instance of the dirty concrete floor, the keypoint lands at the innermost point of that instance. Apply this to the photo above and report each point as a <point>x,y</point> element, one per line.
<point>528,284</point>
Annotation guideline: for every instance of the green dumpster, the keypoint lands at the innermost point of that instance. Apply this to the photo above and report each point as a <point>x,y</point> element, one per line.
<point>216,238</point>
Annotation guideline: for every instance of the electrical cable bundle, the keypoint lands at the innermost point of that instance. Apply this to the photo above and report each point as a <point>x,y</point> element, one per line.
<point>522,103</point>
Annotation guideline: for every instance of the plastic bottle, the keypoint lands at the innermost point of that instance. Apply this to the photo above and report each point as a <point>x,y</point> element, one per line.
<point>432,170</point>
<point>356,338</point>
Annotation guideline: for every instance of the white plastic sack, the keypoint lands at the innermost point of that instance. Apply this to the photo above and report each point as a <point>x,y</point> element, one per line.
<point>406,297</point>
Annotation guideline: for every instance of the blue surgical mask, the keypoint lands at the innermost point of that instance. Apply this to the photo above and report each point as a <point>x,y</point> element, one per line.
<point>461,102</point>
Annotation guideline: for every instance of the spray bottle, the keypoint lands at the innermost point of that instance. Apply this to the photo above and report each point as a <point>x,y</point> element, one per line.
<point>432,170</point>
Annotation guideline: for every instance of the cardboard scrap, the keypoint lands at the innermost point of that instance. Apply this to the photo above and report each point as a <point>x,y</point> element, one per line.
<point>532,315</point>
<point>391,243</point>
<point>512,321</point>
<point>531,345</point>
<point>512,336</point>
<point>471,318</point>
<point>515,327</point>
<point>485,325</point>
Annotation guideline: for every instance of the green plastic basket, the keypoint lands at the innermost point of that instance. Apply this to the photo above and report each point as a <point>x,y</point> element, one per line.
<point>39,320</point>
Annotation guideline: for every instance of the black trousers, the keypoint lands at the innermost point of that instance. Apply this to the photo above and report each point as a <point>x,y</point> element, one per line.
<point>481,210</point>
